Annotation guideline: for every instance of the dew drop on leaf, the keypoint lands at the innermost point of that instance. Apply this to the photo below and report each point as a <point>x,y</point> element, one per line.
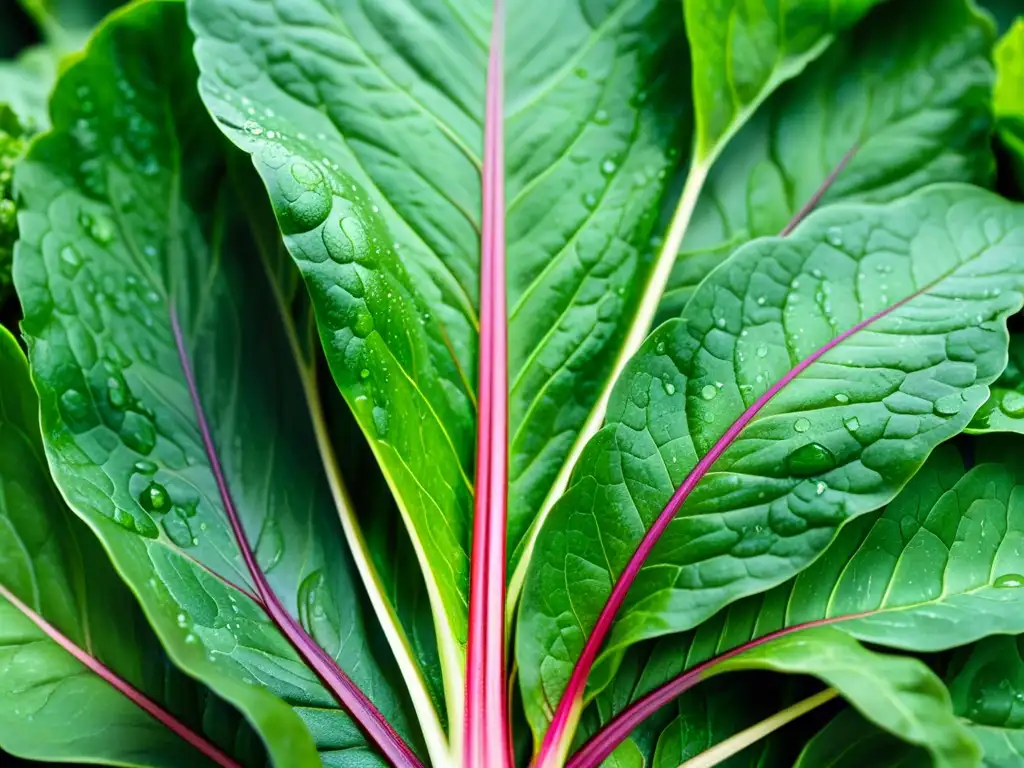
<point>608,167</point>
<point>76,411</point>
<point>670,388</point>
<point>144,467</point>
<point>364,374</point>
<point>1012,403</point>
<point>834,236</point>
<point>1009,581</point>
<point>810,459</point>
<point>949,405</point>
<point>660,348</point>
<point>842,398</point>
<point>709,391</point>
<point>801,424</point>
<point>852,423</point>
<point>70,261</point>
<point>762,350</point>
<point>154,498</point>
<point>601,117</point>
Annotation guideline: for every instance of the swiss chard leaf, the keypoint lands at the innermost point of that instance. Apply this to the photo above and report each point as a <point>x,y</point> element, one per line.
<point>812,376</point>
<point>128,216</point>
<point>51,706</point>
<point>900,101</point>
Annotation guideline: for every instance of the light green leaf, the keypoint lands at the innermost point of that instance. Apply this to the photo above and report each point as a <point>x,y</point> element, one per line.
<point>903,98</point>
<point>368,134</point>
<point>1008,101</point>
<point>51,707</point>
<point>1004,409</point>
<point>129,210</point>
<point>897,693</point>
<point>744,49</point>
<point>840,440</point>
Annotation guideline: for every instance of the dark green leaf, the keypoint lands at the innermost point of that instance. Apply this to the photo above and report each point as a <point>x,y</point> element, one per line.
<point>51,707</point>
<point>852,741</point>
<point>934,277</point>
<point>128,210</point>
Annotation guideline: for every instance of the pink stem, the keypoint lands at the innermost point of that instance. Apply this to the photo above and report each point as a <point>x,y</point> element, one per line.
<point>129,691</point>
<point>604,742</point>
<point>572,699</point>
<point>487,740</point>
<point>347,693</point>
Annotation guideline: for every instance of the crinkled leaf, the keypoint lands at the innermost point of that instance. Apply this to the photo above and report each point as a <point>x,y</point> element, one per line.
<point>365,122</point>
<point>128,211</point>
<point>51,707</point>
<point>903,98</point>
<point>933,279</point>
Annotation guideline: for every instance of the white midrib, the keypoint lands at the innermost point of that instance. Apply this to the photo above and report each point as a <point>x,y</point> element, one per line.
<point>438,747</point>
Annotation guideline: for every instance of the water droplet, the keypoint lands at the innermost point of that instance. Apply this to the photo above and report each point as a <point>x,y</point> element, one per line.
<point>820,488</point>
<point>1012,403</point>
<point>810,459</point>
<point>709,391</point>
<point>76,411</point>
<point>70,261</point>
<point>842,398</point>
<point>852,423</point>
<point>801,424</point>
<point>760,301</point>
<point>601,117</point>
<point>670,388</point>
<point>190,638</point>
<point>949,405</point>
<point>720,322</point>
<point>608,167</point>
<point>182,620</point>
<point>834,236</point>
<point>155,498</point>
<point>116,394</point>
<point>252,127</point>
<point>762,350</point>
<point>364,374</point>
<point>590,201</point>
<point>1009,581</point>
<point>660,347</point>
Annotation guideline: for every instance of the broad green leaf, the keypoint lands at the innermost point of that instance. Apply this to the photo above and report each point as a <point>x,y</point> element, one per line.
<point>987,685</point>
<point>838,441</point>
<point>51,707</point>
<point>1004,409</point>
<point>897,693</point>
<point>368,134</point>
<point>128,211</point>
<point>986,682</point>
<point>744,49</point>
<point>876,100</point>
<point>852,741</point>
<point>1008,102</point>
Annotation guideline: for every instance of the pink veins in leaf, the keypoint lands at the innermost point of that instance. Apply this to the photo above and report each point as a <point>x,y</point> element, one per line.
<point>129,691</point>
<point>345,692</point>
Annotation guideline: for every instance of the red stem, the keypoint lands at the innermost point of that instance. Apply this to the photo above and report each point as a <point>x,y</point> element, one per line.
<point>604,742</point>
<point>129,691</point>
<point>572,699</point>
<point>345,692</point>
<point>487,741</point>
<point>819,193</point>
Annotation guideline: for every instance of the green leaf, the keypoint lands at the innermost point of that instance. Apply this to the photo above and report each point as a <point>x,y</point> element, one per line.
<point>874,101</point>
<point>744,49</point>
<point>1008,101</point>
<point>51,707</point>
<point>840,440</point>
<point>368,135</point>
<point>897,693</point>
<point>852,741</point>
<point>25,85</point>
<point>986,682</point>
<point>12,145</point>
<point>129,210</point>
<point>1004,409</point>
<point>1005,12</point>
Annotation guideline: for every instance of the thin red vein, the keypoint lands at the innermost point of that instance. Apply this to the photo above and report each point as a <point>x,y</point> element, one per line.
<point>819,193</point>
<point>487,739</point>
<point>562,721</point>
<point>129,691</point>
<point>347,693</point>
<point>604,742</point>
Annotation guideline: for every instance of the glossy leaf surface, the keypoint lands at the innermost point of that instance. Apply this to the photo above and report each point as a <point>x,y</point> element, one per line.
<point>904,99</point>
<point>117,227</point>
<point>51,707</point>
<point>941,268</point>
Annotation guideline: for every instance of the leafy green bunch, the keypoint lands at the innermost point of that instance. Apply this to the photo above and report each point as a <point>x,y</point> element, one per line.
<point>634,383</point>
